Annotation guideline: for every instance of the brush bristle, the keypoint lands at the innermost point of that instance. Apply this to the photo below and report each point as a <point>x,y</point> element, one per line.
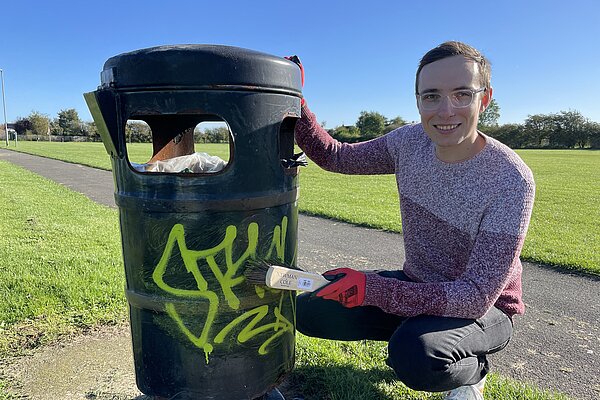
<point>256,271</point>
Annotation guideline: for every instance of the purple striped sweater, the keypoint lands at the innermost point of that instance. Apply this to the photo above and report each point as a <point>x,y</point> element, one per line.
<point>464,223</point>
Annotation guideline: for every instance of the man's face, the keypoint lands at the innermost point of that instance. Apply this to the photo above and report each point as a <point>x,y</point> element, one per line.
<point>452,130</point>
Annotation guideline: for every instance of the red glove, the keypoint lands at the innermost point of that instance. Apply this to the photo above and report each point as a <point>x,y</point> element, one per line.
<point>296,60</point>
<point>348,288</point>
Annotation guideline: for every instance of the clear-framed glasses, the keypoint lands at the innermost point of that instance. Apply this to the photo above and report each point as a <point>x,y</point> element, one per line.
<point>461,98</point>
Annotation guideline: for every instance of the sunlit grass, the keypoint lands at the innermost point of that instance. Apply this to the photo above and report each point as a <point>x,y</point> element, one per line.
<point>564,228</point>
<point>356,370</point>
<point>61,261</point>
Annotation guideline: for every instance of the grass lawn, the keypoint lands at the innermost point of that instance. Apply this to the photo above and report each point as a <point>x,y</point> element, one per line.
<point>63,273</point>
<point>564,228</point>
<point>62,267</point>
<point>355,370</point>
<point>563,232</point>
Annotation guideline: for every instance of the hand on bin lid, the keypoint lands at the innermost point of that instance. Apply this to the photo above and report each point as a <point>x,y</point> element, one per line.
<point>295,59</point>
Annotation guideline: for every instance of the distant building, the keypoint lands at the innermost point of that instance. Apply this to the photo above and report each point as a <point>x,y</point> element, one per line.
<point>11,131</point>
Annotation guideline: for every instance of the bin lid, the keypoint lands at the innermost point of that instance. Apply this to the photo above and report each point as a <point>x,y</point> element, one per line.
<point>201,66</point>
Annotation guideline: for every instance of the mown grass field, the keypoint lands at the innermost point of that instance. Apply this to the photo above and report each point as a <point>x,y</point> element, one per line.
<point>564,227</point>
<point>62,273</point>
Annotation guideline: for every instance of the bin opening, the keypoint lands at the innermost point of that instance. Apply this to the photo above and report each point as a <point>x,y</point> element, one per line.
<point>290,161</point>
<point>189,144</point>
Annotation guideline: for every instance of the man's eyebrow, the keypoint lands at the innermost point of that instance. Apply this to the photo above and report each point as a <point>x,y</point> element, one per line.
<point>429,91</point>
<point>438,90</point>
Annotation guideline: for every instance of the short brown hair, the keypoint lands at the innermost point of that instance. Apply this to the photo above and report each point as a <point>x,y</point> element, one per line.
<point>453,48</point>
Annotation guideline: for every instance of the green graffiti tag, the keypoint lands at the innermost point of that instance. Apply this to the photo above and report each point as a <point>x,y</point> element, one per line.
<point>249,331</point>
<point>227,278</point>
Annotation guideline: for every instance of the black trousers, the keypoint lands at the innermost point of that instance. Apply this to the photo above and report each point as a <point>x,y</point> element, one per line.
<point>427,353</point>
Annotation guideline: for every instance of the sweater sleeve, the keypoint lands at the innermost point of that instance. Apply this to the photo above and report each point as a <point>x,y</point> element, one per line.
<point>493,268</point>
<point>365,158</point>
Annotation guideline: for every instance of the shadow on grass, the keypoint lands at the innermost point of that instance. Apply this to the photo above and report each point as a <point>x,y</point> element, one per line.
<point>342,382</point>
<point>571,270</point>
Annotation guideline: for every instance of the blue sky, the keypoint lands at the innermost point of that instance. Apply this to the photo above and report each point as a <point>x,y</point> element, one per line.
<point>358,55</point>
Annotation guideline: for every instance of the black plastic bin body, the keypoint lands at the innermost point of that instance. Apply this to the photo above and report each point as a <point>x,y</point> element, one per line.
<point>199,330</point>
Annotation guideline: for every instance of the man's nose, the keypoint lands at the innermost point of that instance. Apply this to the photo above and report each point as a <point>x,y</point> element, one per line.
<point>445,109</point>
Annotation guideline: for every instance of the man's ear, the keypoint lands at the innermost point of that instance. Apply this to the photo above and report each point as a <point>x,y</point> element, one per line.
<point>487,98</point>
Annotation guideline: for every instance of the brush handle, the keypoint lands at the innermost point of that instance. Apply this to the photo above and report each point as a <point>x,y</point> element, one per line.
<point>292,279</point>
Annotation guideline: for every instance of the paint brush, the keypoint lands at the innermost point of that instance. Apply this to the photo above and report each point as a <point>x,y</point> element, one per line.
<point>259,272</point>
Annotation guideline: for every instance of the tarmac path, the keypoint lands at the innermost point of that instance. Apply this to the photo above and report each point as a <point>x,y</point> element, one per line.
<point>556,344</point>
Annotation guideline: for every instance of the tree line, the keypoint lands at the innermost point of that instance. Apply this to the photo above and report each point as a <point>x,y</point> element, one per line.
<point>139,132</point>
<point>68,123</point>
<point>562,130</point>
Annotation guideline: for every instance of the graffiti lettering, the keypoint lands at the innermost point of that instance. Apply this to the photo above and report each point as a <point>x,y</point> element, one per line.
<point>227,279</point>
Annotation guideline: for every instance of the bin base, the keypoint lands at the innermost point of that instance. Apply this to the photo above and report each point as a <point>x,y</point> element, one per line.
<point>273,394</point>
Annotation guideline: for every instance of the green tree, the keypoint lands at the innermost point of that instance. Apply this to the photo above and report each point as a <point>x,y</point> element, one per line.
<point>490,116</point>
<point>200,135</point>
<point>593,130</point>
<point>538,129</point>
<point>392,124</point>
<point>345,133</point>
<point>22,126</point>
<point>55,130</point>
<point>217,135</point>
<point>512,135</point>
<point>137,132</point>
<point>69,122</point>
<point>569,130</point>
<point>90,130</point>
<point>40,123</point>
<point>370,124</point>
<point>566,130</point>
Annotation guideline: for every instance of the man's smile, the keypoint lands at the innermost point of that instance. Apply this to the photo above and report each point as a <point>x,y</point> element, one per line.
<point>447,127</point>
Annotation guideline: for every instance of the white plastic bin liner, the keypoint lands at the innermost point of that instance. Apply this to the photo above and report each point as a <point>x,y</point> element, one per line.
<point>193,163</point>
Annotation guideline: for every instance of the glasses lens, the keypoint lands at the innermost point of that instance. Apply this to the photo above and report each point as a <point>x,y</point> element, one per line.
<point>458,99</point>
<point>430,101</point>
<point>461,98</point>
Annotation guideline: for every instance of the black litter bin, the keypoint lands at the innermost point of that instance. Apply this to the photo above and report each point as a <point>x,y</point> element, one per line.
<point>199,330</point>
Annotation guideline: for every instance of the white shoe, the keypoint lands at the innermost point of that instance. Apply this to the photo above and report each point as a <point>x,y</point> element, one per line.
<point>469,392</point>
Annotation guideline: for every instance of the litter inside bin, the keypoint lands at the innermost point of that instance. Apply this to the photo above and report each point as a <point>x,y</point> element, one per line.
<point>193,163</point>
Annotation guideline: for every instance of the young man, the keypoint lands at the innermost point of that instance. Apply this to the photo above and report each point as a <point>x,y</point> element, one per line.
<point>466,202</point>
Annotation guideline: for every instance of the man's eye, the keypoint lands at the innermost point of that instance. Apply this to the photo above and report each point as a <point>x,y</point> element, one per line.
<point>431,97</point>
<point>462,94</point>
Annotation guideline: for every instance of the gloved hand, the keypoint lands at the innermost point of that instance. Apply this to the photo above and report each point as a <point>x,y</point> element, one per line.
<point>348,288</point>
<point>296,60</point>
